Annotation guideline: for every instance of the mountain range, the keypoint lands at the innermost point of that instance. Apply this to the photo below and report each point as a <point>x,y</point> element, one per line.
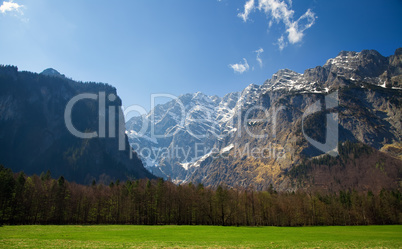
<point>335,126</point>
<point>260,136</point>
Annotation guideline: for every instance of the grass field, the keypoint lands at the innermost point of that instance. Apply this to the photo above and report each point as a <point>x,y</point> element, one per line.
<point>125,236</point>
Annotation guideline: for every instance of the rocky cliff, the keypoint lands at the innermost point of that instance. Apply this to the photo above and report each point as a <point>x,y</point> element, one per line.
<point>34,136</point>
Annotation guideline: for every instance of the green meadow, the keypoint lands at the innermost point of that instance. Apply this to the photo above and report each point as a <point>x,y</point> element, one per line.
<point>128,236</point>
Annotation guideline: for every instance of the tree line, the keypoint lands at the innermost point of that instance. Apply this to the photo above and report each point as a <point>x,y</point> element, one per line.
<point>43,200</point>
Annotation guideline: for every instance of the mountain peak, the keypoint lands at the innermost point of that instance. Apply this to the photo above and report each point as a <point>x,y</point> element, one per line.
<point>52,72</point>
<point>347,53</point>
<point>343,59</point>
<point>285,70</point>
<point>398,51</point>
<point>201,97</point>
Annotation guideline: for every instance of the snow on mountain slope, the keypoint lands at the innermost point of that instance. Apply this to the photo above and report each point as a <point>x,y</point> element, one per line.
<point>183,130</point>
<point>181,134</point>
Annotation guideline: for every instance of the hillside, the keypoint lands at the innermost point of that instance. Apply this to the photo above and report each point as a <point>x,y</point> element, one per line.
<point>34,137</point>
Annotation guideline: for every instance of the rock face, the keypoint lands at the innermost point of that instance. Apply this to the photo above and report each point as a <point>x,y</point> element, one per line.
<point>181,131</point>
<point>255,137</point>
<point>34,137</point>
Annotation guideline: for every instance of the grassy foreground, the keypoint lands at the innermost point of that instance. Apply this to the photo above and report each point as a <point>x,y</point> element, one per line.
<point>126,236</point>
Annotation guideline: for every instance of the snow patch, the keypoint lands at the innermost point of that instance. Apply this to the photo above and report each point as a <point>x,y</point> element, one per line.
<point>134,135</point>
<point>227,148</point>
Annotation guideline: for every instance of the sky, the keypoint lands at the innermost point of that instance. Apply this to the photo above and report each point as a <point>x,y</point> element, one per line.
<point>145,47</point>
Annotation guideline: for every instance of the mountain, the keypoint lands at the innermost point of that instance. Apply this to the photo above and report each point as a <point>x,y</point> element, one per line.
<point>255,137</point>
<point>34,134</point>
<point>52,72</point>
<point>181,124</point>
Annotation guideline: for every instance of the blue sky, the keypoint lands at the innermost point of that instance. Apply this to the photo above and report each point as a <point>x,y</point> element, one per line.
<point>183,46</point>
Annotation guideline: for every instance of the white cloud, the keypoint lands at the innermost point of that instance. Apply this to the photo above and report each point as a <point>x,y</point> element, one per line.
<point>277,9</point>
<point>259,52</point>
<point>240,67</point>
<point>281,43</point>
<point>295,29</point>
<point>10,7</point>
<point>270,24</point>
<point>248,7</point>
<point>280,11</point>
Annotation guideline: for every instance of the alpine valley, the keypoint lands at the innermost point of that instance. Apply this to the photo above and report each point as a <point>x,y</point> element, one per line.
<point>279,135</point>
<point>262,136</point>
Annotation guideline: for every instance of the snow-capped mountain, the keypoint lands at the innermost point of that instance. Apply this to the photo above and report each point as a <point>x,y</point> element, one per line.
<point>198,137</point>
<point>289,80</point>
<point>176,134</point>
<point>368,66</point>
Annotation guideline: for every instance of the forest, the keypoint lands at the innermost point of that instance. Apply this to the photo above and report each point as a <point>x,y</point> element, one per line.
<point>43,200</point>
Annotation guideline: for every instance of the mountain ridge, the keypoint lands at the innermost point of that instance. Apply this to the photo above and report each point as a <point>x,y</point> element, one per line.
<point>368,84</point>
